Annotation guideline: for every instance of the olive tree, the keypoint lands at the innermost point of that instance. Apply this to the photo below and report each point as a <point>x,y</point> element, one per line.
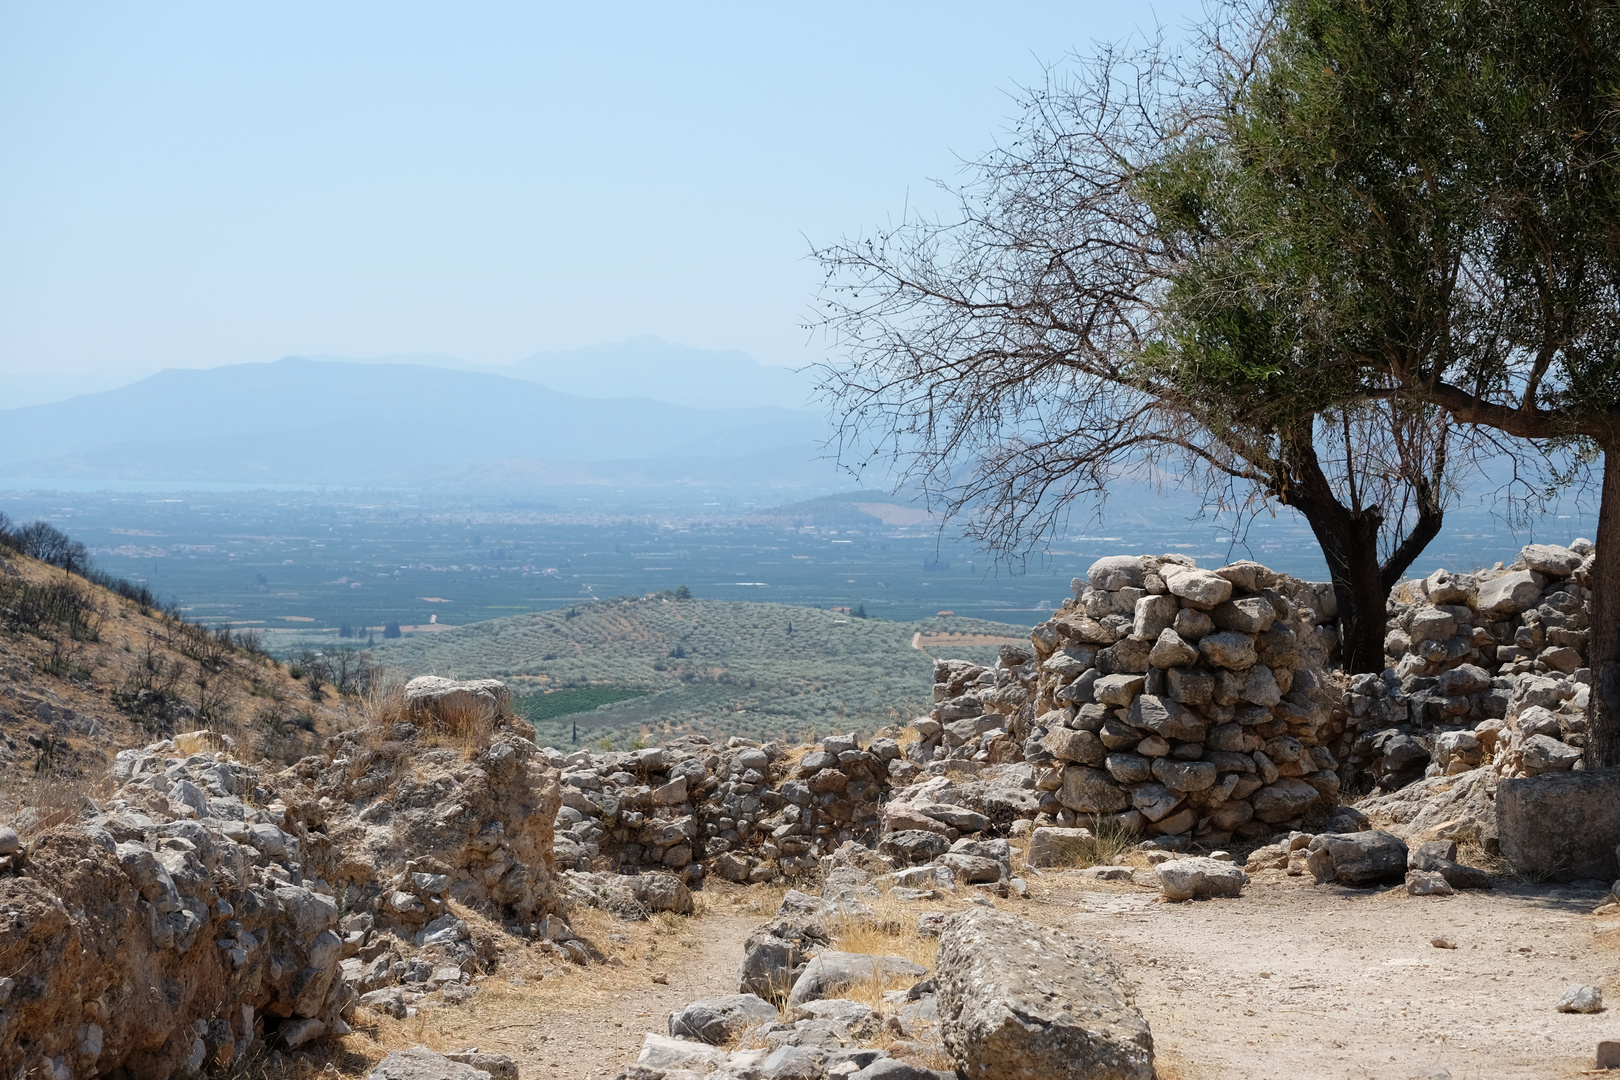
<point>1464,151</point>
<point>1060,336</point>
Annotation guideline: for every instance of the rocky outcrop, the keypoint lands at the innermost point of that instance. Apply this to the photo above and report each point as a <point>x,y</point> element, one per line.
<point>1021,1000</point>
<point>195,914</point>
<point>399,809</point>
<point>158,948</point>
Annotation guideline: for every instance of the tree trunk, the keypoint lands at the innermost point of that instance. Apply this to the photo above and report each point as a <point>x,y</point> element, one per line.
<point>1349,541</point>
<point>1350,544</point>
<point>1603,640</point>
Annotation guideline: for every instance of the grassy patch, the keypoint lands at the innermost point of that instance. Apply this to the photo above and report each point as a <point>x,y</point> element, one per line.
<point>537,707</point>
<point>649,667</point>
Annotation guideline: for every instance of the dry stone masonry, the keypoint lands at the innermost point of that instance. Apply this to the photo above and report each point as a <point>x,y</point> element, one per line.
<point>1173,700</point>
<point>746,810</point>
<point>1486,668</point>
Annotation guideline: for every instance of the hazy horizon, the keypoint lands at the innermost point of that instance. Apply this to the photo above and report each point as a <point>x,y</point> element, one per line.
<point>195,186</point>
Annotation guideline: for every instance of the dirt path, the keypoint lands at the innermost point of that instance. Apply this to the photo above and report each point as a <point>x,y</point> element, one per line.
<point>1294,980</point>
<point>1289,981</point>
<point>587,1024</point>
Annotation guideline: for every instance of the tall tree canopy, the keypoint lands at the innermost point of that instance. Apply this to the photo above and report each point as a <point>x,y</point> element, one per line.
<point>1461,150</point>
<point>1110,302</point>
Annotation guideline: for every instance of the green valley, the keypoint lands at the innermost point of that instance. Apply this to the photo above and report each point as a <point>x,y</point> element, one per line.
<point>649,666</point>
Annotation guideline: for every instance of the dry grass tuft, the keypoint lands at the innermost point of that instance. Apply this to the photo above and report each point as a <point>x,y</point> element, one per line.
<point>464,726</point>
<point>54,798</point>
<point>200,742</point>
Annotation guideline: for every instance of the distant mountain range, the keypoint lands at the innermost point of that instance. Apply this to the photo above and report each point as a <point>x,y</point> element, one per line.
<point>330,422</point>
<point>646,366</point>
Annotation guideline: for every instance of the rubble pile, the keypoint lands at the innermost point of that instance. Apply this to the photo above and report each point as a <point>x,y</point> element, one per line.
<point>209,906</point>
<point>748,811</point>
<point>1485,669</point>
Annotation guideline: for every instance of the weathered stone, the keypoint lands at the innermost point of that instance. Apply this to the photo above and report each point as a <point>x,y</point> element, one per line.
<point>972,869</point>
<point>1228,649</point>
<point>1129,768</point>
<point>1154,615</point>
<point>1544,753</point>
<point>1170,651</point>
<point>1066,744</point>
<point>1247,615</point>
<point>1427,883</point>
<point>888,1068</point>
<point>1248,575</point>
<point>1155,801</point>
<point>914,846</point>
<point>719,1020</point>
<point>1363,858</point>
<point>1018,1000</point>
<point>1117,689</point>
<point>499,1066</point>
<point>1260,687</point>
<point>456,702</point>
<point>1581,999</point>
<point>1561,825</point>
<point>1184,776</point>
<point>1091,791</point>
<point>659,1053</point>
<point>831,973</point>
<point>1287,798</point>
<point>955,817</point>
<point>1115,572</point>
<point>1186,879</point>
<point>1509,594</point>
<point>1190,686</point>
<point>1550,559</point>
<point>420,1063</point>
<point>1165,717</point>
<point>1199,588</point>
<point>1051,846</point>
<point>1463,680</point>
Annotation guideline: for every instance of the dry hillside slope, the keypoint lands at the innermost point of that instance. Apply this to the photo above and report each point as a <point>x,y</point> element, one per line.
<point>85,673</point>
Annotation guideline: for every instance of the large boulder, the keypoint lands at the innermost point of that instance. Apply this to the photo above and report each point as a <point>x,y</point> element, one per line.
<point>1562,826</point>
<point>1113,572</point>
<point>1360,858</point>
<point>1018,1000</point>
<point>456,703</point>
<point>1188,879</point>
<point>719,1020</point>
<point>1509,594</point>
<point>1553,560</point>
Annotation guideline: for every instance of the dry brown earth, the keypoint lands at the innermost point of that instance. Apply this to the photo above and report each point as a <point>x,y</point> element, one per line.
<point>1290,981</point>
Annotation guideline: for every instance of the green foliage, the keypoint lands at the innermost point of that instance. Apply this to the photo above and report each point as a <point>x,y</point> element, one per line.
<point>611,667</point>
<point>537,707</point>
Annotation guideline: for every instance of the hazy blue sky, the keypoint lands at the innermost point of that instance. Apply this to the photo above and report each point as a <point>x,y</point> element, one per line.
<point>198,184</point>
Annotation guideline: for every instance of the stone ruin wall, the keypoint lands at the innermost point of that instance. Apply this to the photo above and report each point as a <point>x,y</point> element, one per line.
<point>1177,701</point>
